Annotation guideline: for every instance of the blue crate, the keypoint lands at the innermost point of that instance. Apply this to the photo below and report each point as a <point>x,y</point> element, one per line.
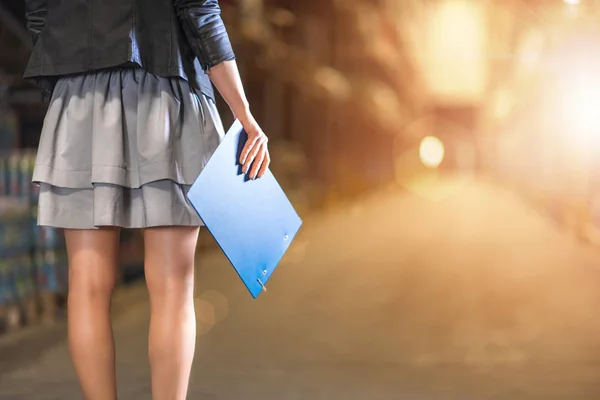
<point>25,174</point>
<point>3,175</point>
<point>25,276</point>
<point>14,180</point>
<point>47,238</point>
<point>52,271</point>
<point>16,172</point>
<point>8,287</point>
<point>15,238</point>
<point>15,229</point>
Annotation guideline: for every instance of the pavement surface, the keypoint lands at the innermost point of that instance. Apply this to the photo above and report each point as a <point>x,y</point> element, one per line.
<point>450,289</point>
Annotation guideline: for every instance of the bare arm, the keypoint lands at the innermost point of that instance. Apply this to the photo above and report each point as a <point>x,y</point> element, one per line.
<point>226,78</point>
<point>206,33</point>
<point>255,158</point>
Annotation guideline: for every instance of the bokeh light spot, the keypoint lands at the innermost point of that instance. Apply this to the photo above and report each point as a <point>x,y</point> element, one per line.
<point>431,151</point>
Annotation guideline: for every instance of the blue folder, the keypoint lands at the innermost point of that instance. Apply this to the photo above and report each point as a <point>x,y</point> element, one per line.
<point>253,221</point>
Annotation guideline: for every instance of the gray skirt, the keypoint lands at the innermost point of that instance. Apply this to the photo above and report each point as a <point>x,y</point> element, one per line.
<point>121,147</point>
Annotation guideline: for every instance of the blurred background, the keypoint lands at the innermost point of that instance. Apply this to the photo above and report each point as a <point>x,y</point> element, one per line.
<point>444,155</point>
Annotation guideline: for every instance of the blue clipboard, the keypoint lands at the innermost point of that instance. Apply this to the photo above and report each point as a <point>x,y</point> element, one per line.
<point>252,221</point>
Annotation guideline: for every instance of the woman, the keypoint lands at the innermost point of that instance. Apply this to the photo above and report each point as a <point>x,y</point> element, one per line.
<point>131,123</point>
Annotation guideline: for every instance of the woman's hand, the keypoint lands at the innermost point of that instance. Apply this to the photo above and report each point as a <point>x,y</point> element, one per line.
<point>255,158</point>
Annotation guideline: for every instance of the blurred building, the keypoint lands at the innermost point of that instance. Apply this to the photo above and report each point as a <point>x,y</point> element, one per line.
<point>356,85</point>
<point>335,77</point>
<point>20,103</point>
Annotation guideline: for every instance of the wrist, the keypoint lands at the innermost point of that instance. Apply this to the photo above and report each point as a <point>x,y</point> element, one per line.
<point>244,116</point>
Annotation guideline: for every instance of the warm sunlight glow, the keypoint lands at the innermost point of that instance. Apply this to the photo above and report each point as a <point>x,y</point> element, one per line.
<point>431,152</point>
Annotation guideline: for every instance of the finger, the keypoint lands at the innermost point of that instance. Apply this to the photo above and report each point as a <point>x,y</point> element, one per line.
<point>246,151</point>
<point>250,144</point>
<point>247,164</point>
<point>252,156</point>
<point>258,161</point>
<point>265,164</point>
<point>249,159</point>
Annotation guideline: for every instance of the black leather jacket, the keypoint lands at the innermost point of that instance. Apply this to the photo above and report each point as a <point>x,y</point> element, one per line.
<point>166,37</point>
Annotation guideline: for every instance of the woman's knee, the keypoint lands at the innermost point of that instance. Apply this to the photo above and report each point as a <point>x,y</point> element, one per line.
<point>91,281</point>
<point>170,280</point>
<point>93,256</point>
<point>169,261</point>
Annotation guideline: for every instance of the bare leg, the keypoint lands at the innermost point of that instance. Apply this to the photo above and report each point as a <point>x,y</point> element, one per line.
<point>92,277</point>
<point>169,270</point>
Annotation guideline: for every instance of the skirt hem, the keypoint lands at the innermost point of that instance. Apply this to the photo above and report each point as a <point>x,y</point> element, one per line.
<point>160,203</point>
<point>85,179</point>
<point>62,220</point>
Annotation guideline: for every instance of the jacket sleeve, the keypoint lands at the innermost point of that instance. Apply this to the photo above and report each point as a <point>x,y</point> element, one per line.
<point>205,31</point>
<point>35,16</point>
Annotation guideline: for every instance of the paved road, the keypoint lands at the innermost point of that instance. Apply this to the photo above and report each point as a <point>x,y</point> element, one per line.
<point>454,290</point>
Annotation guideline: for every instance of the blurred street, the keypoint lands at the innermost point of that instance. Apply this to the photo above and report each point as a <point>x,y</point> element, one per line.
<point>410,279</point>
<point>453,289</point>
